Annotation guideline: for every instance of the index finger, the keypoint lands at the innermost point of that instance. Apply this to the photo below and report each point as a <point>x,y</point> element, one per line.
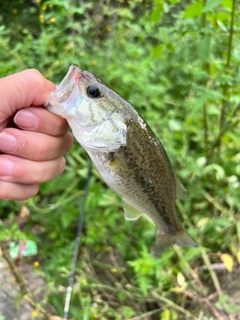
<point>23,89</point>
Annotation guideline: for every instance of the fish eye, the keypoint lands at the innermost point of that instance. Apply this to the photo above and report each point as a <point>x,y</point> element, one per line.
<point>93,91</point>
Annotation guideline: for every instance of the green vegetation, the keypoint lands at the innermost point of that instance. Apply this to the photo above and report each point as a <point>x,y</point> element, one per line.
<point>177,63</point>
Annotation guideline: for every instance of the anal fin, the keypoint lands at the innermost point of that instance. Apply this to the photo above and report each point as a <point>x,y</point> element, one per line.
<point>131,213</point>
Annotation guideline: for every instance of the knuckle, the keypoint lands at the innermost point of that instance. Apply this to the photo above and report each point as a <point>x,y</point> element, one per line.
<point>33,190</point>
<point>36,74</point>
<point>69,141</point>
<point>36,77</point>
<point>62,165</point>
<point>38,151</point>
<point>5,191</point>
<point>14,191</point>
<point>37,177</point>
<point>28,192</point>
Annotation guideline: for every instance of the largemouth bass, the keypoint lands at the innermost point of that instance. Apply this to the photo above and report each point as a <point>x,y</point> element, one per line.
<point>125,151</point>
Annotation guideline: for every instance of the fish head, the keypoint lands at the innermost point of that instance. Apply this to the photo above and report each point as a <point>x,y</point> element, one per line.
<point>76,96</point>
<point>93,111</point>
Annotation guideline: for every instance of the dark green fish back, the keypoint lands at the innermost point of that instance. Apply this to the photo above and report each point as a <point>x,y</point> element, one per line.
<point>148,176</point>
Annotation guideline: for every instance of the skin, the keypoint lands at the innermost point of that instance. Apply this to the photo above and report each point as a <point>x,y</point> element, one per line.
<point>32,139</point>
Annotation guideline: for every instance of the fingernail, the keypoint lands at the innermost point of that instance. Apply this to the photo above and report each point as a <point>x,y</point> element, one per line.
<point>6,167</point>
<point>25,119</point>
<point>8,143</point>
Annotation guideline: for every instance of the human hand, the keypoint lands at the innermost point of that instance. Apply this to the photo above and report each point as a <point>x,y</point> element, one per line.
<point>32,139</point>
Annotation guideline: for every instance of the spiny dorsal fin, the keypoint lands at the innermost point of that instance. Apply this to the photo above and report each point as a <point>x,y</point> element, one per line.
<point>131,213</point>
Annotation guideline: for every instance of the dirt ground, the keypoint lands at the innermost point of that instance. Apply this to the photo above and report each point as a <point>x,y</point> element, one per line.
<point>12,307</point>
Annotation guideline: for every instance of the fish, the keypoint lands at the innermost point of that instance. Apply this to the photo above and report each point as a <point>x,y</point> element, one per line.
<point>125,151</point>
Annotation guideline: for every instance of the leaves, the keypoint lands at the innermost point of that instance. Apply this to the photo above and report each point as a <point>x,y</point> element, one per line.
<point>157,12</point>
<point>211,4</point>
<point>228,261</point>
<point>168,59</point>
<point>204,49</point>
<point>194,10</point>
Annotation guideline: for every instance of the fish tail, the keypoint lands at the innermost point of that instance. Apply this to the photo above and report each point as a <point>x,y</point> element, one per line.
<point>163,241</point>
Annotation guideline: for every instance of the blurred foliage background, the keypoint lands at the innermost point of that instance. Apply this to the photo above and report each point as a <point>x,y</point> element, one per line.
<point>177,62</point>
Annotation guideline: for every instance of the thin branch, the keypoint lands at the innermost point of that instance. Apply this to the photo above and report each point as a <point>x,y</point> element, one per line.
<point>228,63</point>
<point>212,273</point>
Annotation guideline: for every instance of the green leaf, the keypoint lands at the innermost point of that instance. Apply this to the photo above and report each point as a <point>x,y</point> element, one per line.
<point>238,230</point>
<point>175,125</point>
<point>128,312</point>
<point>217,169</point>
<point>157,51</point>
<point>213,95</point>
<point>211,4</point>
<point>194,10</point>
<point>144,284</point>
<point>166,315</point>
<point>223,16</point>
<point>227,4</point>
<point>203,49</point>
<point>157,13</point>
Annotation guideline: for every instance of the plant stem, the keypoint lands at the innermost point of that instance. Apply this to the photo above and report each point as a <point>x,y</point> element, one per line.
<point>226,86</point>
<point>205,69</point>
<point>172,304</point>
<point>212,273</point>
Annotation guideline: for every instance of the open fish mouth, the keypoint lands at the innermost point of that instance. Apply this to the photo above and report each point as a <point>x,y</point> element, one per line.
<point>74,74</point>
<point>74,77</point>
<point>66,86</point>
<point>67,92</point>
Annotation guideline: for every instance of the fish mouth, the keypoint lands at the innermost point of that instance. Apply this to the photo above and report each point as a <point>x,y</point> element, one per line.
<point>69,92</point>
<point>66,86</point>
<point>75,74</point>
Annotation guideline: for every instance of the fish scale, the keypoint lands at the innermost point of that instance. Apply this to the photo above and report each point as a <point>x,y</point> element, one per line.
<point>154,203</point>
<point>125,151</point>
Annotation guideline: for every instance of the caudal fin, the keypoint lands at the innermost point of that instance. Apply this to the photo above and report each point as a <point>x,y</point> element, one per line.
<point>163,241</point>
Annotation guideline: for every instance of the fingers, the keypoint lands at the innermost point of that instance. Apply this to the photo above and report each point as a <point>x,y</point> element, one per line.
<point>33,153</point>
<point>19,192</point>
<point>41,120</point>
<point>27,172</point>
<point>33,145</point>
<point>23,89</point>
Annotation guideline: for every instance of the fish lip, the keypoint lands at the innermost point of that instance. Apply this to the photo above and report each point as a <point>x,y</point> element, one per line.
<point>75,80</point>
<point>74,73</point>
<point>73,77</point>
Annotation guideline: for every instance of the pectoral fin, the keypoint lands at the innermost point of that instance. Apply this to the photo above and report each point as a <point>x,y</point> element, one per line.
<point>131,213</point>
